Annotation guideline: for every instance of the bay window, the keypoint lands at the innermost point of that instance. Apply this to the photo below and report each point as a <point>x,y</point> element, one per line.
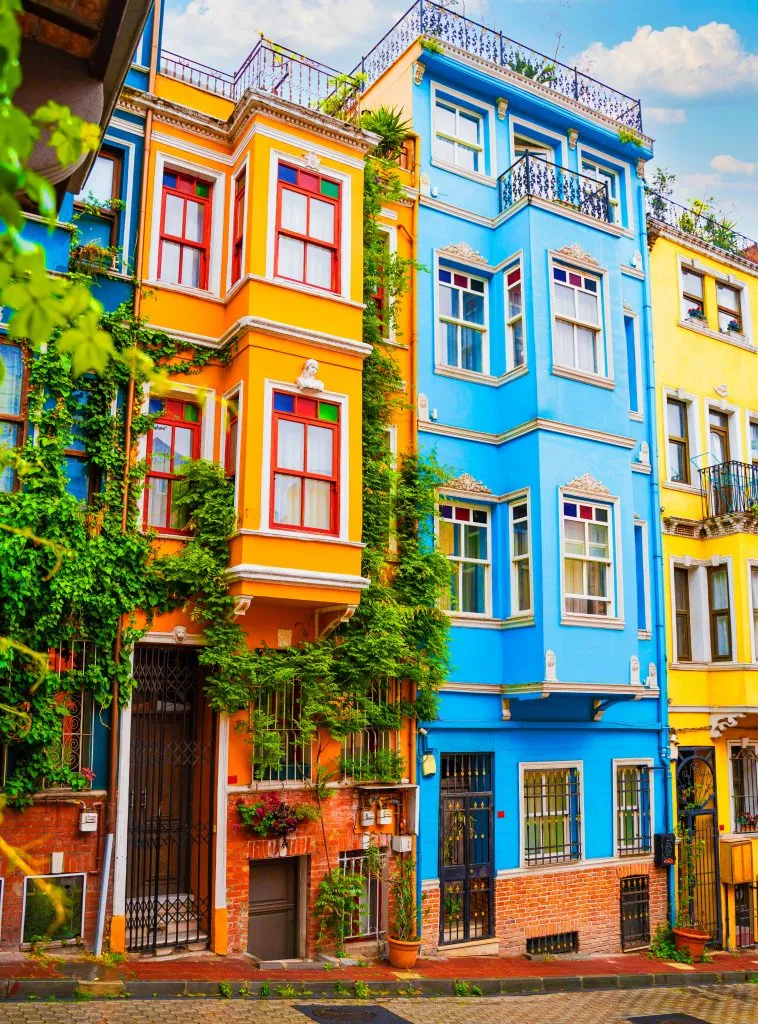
<point>521,589</point>
<point>305,464</point>
<point>461,320</point>
<point>12,387</point>
<point>308,228</point>
<point>173,441</point>
<point>458,136</point>
<point>577,321</point>
<point>587,559</point>
<point>463,537</point>
<point>514,318</point>
<point>183,253</point>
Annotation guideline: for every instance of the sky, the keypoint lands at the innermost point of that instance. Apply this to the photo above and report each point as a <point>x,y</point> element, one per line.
<point>694,65</point>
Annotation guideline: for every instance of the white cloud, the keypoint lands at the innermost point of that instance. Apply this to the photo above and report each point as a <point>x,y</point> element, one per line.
<point>726,164</point>
<point>664,115</point>
<point>223,32</point>
<point>675,60</point>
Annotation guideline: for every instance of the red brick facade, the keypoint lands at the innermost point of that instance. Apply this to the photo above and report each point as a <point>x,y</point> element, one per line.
<point>51,825</point>
<point>585,900</point>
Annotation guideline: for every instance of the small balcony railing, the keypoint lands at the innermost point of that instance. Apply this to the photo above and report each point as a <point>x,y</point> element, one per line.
<point>729,488</point>
<point>701,223</point>
<point>531,176</point>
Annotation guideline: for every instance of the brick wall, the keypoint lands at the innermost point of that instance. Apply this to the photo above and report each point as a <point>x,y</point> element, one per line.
<point>548,902</point>
<point>339,812</point>
<point>49,826</point>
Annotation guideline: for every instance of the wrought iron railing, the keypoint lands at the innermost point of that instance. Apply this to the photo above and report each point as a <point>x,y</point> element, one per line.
<point>276,70</point>
<point>533,176</point>
<point>729,487</point>
<point>425,18</point>
<point>702,223</point>
<point>367,921</point>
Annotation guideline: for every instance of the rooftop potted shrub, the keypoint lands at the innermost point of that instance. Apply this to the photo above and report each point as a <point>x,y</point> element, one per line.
<point>403,939</point>
<point>688,932</point>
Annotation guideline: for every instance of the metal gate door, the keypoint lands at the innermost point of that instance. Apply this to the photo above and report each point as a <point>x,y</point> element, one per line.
<point>465,854</point>
<point>171,778</point>
<point>696,813</point>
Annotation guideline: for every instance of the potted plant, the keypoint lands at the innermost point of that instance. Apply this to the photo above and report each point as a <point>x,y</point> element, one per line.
<point>688,932</point>
<point>734,327</point>
<point>696,314</point>
<point>271,817</point>
<point>403,939</point>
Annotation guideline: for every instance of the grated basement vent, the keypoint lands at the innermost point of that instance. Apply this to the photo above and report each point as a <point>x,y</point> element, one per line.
<point>561,942</point>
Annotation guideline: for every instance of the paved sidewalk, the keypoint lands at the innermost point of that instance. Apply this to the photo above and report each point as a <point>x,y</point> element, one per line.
<point>737,1004</point>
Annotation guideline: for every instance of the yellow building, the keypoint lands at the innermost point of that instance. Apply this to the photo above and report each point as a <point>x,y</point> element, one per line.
<point>705,294</point>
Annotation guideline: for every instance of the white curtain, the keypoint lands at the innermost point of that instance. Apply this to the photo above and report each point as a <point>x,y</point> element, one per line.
<point>290,445</point>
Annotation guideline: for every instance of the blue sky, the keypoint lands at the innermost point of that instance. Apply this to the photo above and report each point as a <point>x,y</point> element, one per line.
<point>694,65</point>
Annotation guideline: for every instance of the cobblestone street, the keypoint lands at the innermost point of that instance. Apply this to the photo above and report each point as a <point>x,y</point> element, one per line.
<point>737,1004</point>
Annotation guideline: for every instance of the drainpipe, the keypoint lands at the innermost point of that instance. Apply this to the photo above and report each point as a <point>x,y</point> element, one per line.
<point>129,414</point>
<point>657,546</point>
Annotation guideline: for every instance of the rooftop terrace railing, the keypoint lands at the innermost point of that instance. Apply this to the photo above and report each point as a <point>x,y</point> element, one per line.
<point>276,70</point>
<point>533,176</point>
<point>425,18</point>
<point>700,222</point>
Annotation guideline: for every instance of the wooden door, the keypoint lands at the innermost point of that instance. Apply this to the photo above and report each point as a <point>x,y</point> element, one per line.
<point>272,913</point>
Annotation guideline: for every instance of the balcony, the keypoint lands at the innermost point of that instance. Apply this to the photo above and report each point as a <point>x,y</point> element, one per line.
<point>425,18</point>
<point>276,70</point>
<point>729,488</point>
<point>532,177</point>
<point>700,223</point>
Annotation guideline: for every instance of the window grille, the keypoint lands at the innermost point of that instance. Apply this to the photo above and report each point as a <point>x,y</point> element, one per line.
<point>635,912</point>
<point>466,773</point>
<point>552,815</point>
<point>367,922</point>
<point>745,788</point>
<point>283,710</point>
<point>75,750</point>
<point>633,809</point>
<point>547,945</point>
<point>360,746</point>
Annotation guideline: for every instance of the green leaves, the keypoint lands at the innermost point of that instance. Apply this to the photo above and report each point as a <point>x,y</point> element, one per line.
<point>70,136</point>
<point>90,347</point>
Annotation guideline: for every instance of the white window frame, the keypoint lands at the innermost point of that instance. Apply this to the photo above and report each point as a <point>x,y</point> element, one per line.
<point>470,105</point>
<point>692,404</point>
<point>264,525</point>
<point>614,618</point>
<point>604,375</point>
<point>700,608</point>
<point>639,412</point>
<point>237,391</point>
<point>510,363</point>
<point>732,286</point>
<point>632,762</point>
<point>514,611</point>
<point>530,766</point>
<point>623,211</point>
<point>218,202</point>
<point>440,348</point>
<point>519,127</point>
<point>457,560</point>
<point>238,171</point>
<point>646,632</point>
<point>52,878</point>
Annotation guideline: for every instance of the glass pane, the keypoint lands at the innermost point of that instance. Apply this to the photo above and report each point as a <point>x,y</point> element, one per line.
<point>521,538</point>
<point>719,589</point>
<point>161,460</point>
<point>471,349</point>
<point>294,211</point>
<point>587,307</point>
<point>564,300</point>
<point>449,344</point>
<point>183,438</point>
<point>718,447</point>
<point>8,439</point>
<point>729,321</point>
<point>448,301</point>
<point>514,301</point>
<point>190,267</point>
<point>178,515</point>
<point>598,541</point>
<point>195,221</point>
<point>445,150</point>
<point>468,128</point>
<point>574,576</point>
<point>99,181</point>
<point>320,450</point>
<point>574,537</point>
<point>693,283</point>
<point>330,188</point>
<point>597,577</point>
<point>523,590</point>
<point>157,504</point>
<point>172,224</point>
<point>446,537</point>
<point>682,637</point>
<point>517,343</point>
<point>318,505</point>
<point>564,343</point>
<point>291,257</point>
<point>290,445</point>
<point>322,221</point>
<point>287,497</point>
<point>721,631</point>
<point>586,356</point>
<point>445,118</point>
<point>677,462</point>
<point>472,587</point>
<point>12,373</point>
<point>288,174</point>
<point>728,297</point>
<point>473,308</point>
<point>319,268</point>
<point>676,419</point>
<point>475,541</point>
<point>170,252</point>
<point>466,158</point>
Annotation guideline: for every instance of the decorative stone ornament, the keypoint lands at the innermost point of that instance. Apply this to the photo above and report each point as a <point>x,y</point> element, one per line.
<point>641,168</point>
<point>721,722</point>
<point>423,408</point>
<point>312,160</point>
<point>242,605</point>
<point>307,379</point>
<point>587,484</point>
<point>418,72</point>
<point>551,667</point>
<point>462,251</point>
<point>502,106</point>
<point>576,252</point>
<point>634,669</point>
<point>180,634</point>
<point>643,456</point>
<point>721,390</point>
<point>466,482</point>
<point>573,137</point>
<point>652,676</point>
<point>636,260</point>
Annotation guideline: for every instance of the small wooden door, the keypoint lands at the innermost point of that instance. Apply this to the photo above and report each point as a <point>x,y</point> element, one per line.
<point>272,913</point>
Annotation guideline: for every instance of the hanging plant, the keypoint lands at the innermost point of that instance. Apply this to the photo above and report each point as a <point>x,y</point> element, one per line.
<point>271,817</point>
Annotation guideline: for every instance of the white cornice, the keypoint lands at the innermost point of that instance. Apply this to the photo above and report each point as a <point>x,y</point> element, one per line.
<point>702,247</point>
<point>636,690</point>
<point>551,426</point>
<point>247,572</point>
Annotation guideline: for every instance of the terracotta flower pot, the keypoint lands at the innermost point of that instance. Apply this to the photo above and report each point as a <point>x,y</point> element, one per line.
<point>692,939</point>
<point>402,955</point>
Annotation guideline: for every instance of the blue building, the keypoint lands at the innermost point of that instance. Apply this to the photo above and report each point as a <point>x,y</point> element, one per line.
<point>548,774</point>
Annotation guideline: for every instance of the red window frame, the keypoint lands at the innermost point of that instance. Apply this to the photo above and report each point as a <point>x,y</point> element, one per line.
<point>298,416</point>
<point>307,239</point>
<point>186,189</point>
<point>173,416</point>
<point>238,226</point>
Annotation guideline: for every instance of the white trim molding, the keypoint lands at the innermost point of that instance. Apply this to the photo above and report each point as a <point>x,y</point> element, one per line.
<point>248,572</point>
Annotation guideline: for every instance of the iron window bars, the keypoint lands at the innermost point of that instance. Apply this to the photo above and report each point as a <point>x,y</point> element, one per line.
<point>633,810</point>
<point>552,815</point>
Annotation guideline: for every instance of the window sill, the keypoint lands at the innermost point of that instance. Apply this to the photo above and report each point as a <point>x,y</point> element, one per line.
<point>471,620</point>
<point>583,377</point>
<point>482,179</point>
<point>636,416</point>
<point>182,289</point>
<point>295,535</point>
<point>480,378</point>
<point>674,485</point>
<point>738,340</point>
<point>644,634</point>
<point>304,289</point>
<point>712,666</point>
<point>593,621</point>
